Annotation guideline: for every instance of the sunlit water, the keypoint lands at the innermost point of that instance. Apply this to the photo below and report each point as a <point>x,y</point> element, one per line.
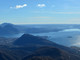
<point>67,30</point>
<point>67,37</point>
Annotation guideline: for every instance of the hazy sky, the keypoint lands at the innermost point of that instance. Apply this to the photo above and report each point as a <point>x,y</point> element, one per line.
<point>40,11</point>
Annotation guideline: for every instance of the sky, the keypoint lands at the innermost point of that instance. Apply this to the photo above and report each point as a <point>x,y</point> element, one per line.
<point>40,11</point>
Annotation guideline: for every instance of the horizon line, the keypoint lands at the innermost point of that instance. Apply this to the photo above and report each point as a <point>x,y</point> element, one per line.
<point>37,23</point>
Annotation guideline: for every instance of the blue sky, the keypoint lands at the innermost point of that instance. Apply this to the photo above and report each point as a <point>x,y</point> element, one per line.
<point>40,11</point>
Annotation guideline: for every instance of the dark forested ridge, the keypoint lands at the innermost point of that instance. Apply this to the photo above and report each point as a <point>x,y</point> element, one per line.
<point>29,47</point>
<point>51,53</point>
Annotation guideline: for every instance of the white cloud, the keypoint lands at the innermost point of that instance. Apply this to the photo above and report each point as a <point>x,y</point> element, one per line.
<point>41,5</point>
<point>19,6</point>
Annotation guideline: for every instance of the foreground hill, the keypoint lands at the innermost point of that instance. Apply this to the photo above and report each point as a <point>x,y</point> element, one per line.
<point>28,40</point>
<point>27,44</point>
<point>51,53</point>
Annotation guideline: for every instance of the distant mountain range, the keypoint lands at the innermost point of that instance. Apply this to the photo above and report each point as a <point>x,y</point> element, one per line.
<point>8,29</point>
<point>11,29</point>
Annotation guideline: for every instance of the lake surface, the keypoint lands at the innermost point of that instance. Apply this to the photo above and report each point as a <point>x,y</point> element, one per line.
<point>67,37</point>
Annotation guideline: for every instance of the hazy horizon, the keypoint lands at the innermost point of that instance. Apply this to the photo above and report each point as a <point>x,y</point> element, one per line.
<point>39,23</point>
